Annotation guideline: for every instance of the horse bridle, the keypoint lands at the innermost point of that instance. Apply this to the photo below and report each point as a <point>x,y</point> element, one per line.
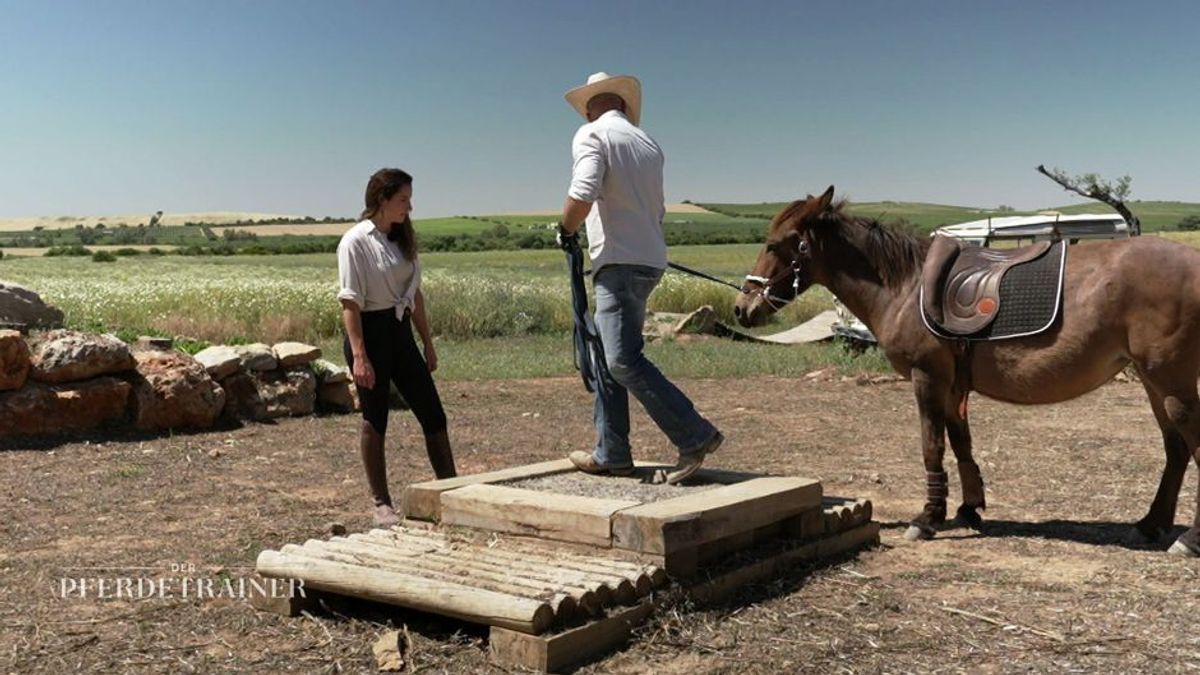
<point>775,302</point>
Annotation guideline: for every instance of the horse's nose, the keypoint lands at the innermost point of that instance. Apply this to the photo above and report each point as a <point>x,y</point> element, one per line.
<point>737,311</point>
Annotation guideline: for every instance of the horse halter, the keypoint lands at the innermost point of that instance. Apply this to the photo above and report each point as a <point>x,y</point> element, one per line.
<point>775,302</point>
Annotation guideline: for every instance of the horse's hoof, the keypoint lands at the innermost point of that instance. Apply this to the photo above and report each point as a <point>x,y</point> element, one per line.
<point>918,533</point>
<point>1139,538</point>
<point>969,517</point>
<point>1180,548</point>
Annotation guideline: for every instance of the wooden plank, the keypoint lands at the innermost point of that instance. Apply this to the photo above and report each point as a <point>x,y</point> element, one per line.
<point>686,522</point>
<point>499,508</point>
<point>554,652</point>
<point>422,501</point>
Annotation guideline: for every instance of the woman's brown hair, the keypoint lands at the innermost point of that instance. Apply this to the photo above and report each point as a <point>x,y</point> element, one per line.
<point>384,184</point>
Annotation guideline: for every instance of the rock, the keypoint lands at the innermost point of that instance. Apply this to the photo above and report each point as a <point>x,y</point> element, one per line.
<point>24,309</point>
<point>271,394</point>
<point>78,406</point>
<point>215,453</point>
<point>257,356</point>
<point>295,393</point>
<point>152,343</point>
<point>174,391</point>
<point>702,321</point>
<point>292,354</point>
<point>220,361</point>
<point>14,360</point>
<point>336,397</point>
<point>68,356</point>
<point>390,650</point>
<point>329,372</point>
<point>242,401</point>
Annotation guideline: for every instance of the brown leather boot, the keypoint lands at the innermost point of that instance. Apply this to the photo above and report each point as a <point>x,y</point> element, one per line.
<point>440,457</point>
<point>371,449</point>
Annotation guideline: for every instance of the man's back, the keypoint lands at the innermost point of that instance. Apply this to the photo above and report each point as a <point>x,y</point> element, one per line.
<point>620,168</point>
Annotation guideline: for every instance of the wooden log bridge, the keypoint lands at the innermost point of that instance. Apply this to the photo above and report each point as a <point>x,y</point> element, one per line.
<point>527,591</point>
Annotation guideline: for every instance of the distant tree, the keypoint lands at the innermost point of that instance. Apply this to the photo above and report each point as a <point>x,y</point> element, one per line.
<point>1092,186</point>
<point>1189,223</point>
<point>1004,208</point>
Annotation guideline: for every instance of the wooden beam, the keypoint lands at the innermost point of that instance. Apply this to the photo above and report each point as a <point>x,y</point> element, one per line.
<point>499,508</point>
<point>421,501</point>
<point>552,653</point>
<point>722,586</point>
<point>409,590</point>
<point>685,522</point>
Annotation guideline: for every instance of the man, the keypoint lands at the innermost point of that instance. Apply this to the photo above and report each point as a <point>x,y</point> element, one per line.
<point>617,187</point>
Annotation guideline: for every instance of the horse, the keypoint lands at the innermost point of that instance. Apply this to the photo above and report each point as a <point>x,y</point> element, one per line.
<point>1132,301</point>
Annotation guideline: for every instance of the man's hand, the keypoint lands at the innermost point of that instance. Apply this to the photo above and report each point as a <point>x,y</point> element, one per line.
<point>567,241</point>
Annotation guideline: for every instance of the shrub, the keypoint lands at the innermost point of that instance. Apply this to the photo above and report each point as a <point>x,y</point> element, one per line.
<point>1189,223</point>
<point>127,252</point>
<point>103,256</point>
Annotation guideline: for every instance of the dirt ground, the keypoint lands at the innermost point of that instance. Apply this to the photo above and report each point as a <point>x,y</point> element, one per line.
<point>1048,586</point>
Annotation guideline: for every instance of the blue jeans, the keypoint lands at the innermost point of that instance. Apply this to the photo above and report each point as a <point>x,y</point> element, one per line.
<point>621,294</point>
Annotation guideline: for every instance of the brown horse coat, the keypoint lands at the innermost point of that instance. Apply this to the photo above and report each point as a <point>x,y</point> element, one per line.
<point>1133,301</point>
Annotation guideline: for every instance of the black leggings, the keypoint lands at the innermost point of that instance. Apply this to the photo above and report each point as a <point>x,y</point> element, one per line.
<point>394,355</point>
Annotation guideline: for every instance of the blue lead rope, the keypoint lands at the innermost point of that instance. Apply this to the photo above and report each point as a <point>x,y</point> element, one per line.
<point>589,351</point>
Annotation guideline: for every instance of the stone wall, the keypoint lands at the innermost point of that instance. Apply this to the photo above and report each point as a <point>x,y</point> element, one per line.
<point>66,381</point>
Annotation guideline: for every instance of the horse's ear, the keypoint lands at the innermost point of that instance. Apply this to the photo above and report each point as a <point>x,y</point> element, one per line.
<point>826,200</point>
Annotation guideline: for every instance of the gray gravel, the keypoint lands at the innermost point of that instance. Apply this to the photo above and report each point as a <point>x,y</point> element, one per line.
<point>637,487</point>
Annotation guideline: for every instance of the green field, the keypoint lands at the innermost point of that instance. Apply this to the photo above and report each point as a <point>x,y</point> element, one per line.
<point>489,300</point>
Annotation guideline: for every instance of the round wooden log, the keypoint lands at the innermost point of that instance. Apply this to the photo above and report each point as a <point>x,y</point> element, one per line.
<point>563,603</point>
<point>628,581</point>
<point>863,510</point>
<point>624,589</point>
<point>585,597</point>
<point>657,575</point>
<point>565,607</point>
<point>440,597</point>
<point>539,569</point>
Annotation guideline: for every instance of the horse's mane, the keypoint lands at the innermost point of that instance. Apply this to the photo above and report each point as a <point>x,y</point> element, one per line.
<point>897,256</point>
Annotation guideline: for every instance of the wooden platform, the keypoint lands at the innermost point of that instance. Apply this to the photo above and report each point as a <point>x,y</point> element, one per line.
<point>529,590</point>
<point>486,550</point>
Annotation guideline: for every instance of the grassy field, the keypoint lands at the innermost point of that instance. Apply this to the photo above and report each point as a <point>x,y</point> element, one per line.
<point>488,303</point>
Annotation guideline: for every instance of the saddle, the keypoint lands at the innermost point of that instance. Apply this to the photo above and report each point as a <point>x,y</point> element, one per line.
<point>964,288</point>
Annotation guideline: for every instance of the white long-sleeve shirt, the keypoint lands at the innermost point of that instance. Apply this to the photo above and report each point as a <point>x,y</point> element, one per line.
<point>620,168</point>
<point>373,273</point>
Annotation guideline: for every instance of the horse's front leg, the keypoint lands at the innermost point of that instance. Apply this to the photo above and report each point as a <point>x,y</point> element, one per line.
<point>971,480</point>
<point>931,397</point>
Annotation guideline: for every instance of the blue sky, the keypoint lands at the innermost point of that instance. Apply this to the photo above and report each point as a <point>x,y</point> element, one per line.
<point>122,106</point>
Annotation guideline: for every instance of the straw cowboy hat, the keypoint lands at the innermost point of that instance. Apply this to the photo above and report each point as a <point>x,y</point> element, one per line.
<point>625,86</point>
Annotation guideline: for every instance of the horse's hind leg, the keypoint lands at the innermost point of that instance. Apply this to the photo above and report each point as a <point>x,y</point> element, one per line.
<point>971,480</point>
<point>1161,517</point>
<point>1172,392</point>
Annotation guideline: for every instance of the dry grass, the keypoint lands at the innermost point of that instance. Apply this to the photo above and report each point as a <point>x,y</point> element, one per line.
<point>168,219</point>
<point>1048,586</point>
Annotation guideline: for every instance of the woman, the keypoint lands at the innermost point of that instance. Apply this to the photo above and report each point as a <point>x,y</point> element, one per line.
<point>380,280</point>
